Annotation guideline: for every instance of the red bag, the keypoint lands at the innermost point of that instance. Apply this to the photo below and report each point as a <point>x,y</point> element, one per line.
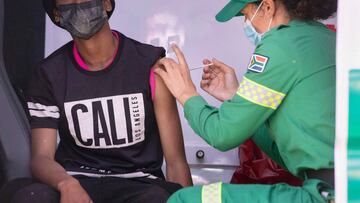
<point>257,168</point>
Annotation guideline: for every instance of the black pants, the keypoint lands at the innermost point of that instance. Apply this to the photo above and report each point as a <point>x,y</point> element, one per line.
<point>100,190</point>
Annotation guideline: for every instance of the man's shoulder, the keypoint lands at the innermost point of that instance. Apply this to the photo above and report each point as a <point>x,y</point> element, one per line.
<point>57,55</point>
<point>53,64</point>
<point>141,48</point>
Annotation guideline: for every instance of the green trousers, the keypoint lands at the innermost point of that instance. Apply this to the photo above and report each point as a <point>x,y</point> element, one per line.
<point>313,191</point>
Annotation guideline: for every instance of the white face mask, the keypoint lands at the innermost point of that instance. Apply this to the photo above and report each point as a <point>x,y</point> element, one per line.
<point>251,32</point>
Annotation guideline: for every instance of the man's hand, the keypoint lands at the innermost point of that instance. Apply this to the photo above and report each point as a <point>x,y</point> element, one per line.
<point>219,80</point>
<point>177,76</point>
<point>72,192</point>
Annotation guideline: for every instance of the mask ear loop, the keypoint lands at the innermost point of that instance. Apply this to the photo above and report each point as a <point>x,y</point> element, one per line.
<point>257,10</point>
<point>270,23</point>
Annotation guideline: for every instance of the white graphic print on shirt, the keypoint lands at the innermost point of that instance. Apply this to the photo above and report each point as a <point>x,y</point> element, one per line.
<point>107,122</point>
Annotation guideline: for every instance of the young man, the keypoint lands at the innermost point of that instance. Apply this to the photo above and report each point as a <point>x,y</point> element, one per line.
<point>115,125</point>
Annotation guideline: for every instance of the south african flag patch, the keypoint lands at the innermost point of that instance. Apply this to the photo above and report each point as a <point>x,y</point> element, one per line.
<point>258,63</point>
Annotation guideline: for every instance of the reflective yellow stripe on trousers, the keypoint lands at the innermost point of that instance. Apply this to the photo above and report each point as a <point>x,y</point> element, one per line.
<point>260,94</point>
<point>211,193</point>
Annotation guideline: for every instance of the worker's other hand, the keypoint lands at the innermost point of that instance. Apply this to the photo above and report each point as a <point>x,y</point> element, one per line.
<point>177,76</point>
<point>219,80</point>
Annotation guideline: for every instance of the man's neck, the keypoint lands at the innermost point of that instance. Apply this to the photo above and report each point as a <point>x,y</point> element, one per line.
<point>99,50</point>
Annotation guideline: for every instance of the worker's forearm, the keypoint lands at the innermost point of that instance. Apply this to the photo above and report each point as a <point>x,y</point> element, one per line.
<point>218,127</point>
<point>179,173</point>
<point>50,172</point>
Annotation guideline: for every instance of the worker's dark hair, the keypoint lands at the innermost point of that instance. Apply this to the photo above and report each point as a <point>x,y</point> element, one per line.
<point>310,9</point>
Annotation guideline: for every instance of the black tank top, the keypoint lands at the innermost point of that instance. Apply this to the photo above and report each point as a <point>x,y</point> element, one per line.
<point>106,119</point>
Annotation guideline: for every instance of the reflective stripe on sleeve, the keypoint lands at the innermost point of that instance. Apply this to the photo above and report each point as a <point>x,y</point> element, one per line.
<point>40,107</point>
<point>211,193</point>
<point>260,94</point>
<point>44,114</point>
<point>42,111</point>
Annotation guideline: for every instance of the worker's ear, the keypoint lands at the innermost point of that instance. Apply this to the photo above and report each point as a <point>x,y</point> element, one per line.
<point>108,6</point>
<point>56,16</point>
<point>268,9</point>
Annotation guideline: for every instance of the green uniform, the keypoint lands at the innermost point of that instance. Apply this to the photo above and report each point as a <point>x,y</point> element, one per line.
<point>286,104</point>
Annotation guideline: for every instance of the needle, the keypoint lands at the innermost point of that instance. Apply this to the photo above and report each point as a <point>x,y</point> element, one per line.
<point>203,66</point>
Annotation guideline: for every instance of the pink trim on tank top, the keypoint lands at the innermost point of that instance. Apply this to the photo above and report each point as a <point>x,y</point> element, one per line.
<point>78,59</point>
<point>83,65</point>
<point>152,84</point>
<point>81,62</point>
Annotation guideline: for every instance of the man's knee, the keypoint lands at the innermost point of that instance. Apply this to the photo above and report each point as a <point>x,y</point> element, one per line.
<point>36,192</point>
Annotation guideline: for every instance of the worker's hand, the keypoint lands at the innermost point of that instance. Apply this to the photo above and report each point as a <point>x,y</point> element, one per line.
<point>72,192</point>
<point>177,76</point>
<point>219,80</point>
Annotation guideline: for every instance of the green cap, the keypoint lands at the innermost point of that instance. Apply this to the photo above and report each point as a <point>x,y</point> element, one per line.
<point>232,9</point>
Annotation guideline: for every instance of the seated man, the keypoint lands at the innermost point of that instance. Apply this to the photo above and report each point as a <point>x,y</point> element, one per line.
<point>98,91</point>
